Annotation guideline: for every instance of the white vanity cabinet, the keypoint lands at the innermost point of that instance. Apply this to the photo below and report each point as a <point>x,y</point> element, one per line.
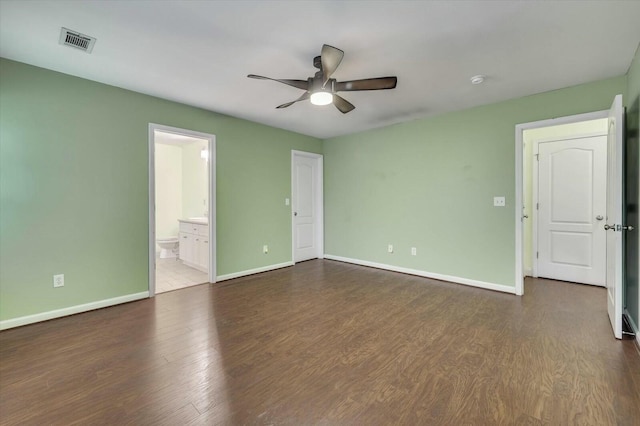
<point>194,244</point>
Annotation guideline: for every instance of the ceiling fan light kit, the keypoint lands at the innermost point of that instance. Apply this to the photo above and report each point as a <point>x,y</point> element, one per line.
<point>321,89</point>
<point>321,98</point>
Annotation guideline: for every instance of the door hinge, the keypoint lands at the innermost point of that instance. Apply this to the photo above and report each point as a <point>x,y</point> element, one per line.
<point>538,157</point>
<point>537,206</point>
<point>537,255</point>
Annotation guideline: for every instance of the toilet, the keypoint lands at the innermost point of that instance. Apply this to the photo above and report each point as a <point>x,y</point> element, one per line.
<point>168,247</point>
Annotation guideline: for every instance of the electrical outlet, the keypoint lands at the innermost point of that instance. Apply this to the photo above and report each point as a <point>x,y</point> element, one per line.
<point>414,251</point>
<point>265,249</point>
<point>390,248</point>
<point>58,280</point>
<point>498,202</point>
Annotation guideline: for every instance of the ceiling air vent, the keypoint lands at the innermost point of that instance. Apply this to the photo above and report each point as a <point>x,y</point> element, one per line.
<point>75,39</point>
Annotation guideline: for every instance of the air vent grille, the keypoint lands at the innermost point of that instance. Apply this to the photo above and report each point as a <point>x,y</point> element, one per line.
<point>75,39</point>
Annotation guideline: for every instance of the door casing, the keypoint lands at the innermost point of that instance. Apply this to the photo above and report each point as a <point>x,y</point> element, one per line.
<point>152,199</point>
<point>519,190</point>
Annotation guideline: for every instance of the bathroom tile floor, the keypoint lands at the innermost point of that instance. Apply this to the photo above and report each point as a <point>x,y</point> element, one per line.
<point>171,274</point>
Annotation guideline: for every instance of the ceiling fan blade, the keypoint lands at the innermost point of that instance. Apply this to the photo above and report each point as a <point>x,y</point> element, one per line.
<point>330,57</point>
<point>305,96</point>
<point>300,84</point>
<point>342,104</point>
<point>367,84</point>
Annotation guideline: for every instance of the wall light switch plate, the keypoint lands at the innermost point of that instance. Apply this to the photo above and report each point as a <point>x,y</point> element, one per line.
<point>498,202</point>
<point>265,249</point>
<point>58,280</point>
<point>390,248</point>
<point>414,251</point>
<point>286,201</point>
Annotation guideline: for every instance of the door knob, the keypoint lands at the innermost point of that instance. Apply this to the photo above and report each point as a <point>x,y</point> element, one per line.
<point>607,227</point>
<point>599,217</point>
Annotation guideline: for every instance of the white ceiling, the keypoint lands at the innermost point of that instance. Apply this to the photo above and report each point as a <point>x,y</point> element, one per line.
<point>199,52</point>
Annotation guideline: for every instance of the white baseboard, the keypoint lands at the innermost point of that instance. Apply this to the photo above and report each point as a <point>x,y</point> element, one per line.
<point>253,271</point>
<point>441,277</point>
<point>44,316</point>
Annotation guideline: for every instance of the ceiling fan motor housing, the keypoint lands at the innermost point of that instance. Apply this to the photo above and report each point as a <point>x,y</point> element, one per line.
<point>317,62</point>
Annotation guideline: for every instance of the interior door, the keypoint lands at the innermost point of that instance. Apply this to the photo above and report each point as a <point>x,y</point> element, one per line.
<point>614,216</point>
<point>306,206</point>
<point>572,186</point>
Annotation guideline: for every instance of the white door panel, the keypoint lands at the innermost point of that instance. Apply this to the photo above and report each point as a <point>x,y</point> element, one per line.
<point>614,216</point>
<point>306,206</point>
<point>305,235</point>
<point>571,183</point>
<point>572,204</point>
<point>305,194</point>
<point>572,248</point>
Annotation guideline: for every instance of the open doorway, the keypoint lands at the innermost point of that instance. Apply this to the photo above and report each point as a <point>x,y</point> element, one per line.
<point>181,208</point>
<point>528,138</point>
<point>564,202</point>
<point>612,221</point>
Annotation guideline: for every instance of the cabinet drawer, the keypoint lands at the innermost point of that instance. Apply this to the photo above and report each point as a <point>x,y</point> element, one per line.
<point>194,228</point>
<point>186,227</point>
<point>202,230</point>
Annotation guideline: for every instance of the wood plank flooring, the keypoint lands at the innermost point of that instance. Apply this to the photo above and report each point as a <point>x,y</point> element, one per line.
<point>327,343</point>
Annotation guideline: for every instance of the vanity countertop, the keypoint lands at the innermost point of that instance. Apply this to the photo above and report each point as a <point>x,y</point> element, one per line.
<point>196,220</point>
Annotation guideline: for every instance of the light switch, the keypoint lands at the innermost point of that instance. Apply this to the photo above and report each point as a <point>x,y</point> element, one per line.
<point>498,202</point>
<point>286,201</point>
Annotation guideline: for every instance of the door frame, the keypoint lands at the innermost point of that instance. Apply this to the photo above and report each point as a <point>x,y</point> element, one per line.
<point>319,210</point>
<point>211,140</point>
<point>519,183</point>
<point>535,191</point>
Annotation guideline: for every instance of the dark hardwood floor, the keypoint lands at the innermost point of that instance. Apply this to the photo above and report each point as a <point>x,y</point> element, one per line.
<point>327,343</point>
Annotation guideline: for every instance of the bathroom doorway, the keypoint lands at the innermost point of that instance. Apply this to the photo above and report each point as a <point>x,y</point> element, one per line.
<point>181,208</point>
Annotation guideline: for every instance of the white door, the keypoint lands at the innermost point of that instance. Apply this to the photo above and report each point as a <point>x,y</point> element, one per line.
<point>572,179</point>
<point>614,216</point>
<point>306,205</point>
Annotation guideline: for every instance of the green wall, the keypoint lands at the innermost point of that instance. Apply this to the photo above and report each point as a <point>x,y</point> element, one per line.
<point>74,188</point>
<point>74,177</point>
<point>632,293</point>
<point>430,184</point>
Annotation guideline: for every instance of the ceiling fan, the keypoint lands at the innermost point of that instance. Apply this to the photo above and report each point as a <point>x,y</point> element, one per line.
<point>321,89</point>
